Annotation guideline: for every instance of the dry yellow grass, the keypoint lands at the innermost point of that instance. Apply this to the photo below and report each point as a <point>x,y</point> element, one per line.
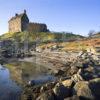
<point>76,45</point>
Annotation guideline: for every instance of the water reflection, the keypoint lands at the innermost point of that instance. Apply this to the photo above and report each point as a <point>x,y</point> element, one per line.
<point>21,72</point>
<point>9,90</point>
<point>29,71</point>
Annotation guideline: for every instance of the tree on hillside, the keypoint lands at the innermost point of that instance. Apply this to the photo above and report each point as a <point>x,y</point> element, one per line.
<point>91,33</point>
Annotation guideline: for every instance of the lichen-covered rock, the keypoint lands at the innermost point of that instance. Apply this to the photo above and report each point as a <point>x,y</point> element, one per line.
<point>68,83</point>
<point>77,78</point>
<point>71,71</point>
<point>82,90</point>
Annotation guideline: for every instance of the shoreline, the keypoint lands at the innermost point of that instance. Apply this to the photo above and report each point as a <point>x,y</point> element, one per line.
<point>70,70</point>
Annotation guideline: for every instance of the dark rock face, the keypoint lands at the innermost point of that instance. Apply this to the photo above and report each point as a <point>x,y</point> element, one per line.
<point>88,73</point>
<point>77,77</point>
<point>49,95</point>
<point>74,97</point>
<point>95,87</point>
<point>61,92</point>
<point>58,72</point>
<point>73,70</point>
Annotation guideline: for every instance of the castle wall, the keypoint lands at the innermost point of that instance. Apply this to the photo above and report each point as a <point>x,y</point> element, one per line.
<point>24,23</point>
<point>37,27</point>
<point>20,23</point>
<point>15,25</point>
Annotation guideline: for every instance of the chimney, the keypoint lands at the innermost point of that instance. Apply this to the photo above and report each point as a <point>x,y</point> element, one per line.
<point>16,14</point>
<point>24,11</point>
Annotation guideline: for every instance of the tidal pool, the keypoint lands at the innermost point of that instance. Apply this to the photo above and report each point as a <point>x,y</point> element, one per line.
<point>9,90</point>
<point>14,75</point>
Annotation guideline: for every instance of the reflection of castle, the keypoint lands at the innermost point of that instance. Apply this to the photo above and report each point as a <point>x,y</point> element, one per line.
<point>20,23</point>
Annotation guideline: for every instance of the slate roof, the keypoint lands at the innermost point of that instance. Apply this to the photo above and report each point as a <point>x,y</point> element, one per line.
<point>18,16</point>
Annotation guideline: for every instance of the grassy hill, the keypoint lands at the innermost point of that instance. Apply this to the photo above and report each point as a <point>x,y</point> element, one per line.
<point>69,41</point>
<point>42,36</point>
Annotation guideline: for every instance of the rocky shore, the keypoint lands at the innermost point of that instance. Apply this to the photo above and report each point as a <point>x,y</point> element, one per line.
<point>78,78</point>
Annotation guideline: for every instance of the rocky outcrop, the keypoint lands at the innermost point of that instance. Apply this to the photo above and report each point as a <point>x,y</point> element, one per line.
<point>94,85</point>
<point>74,82</point>
<point>49,95</point>
<point>82,90</point>
<point>68,83</point>
<point>65,90</point>
<point>61,91</point>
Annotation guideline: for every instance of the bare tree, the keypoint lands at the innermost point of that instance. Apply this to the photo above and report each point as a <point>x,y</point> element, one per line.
<point>91,33</point>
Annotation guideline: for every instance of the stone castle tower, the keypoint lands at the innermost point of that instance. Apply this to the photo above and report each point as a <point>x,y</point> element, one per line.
<point>20,23</point>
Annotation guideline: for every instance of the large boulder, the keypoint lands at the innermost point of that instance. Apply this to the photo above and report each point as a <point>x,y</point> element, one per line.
<point>88,73</point>
<point>68,83</point>
<point>73,70</point>
<point>77,77</point>
<point>82,90</point>
<point>78,64</point>
<point>58,72</point>
<point>74,97</point>
<point>95,87</point>
<point>49,95</point>
<point>61,91</point>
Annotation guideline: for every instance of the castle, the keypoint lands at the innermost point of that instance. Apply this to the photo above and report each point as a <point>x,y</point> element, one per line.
<point>20,23</point>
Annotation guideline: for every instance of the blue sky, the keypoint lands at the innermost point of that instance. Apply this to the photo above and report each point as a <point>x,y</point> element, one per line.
<point>77,16</point>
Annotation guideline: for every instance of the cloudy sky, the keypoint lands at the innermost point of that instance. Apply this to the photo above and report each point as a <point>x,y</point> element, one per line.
<point>77,16</point>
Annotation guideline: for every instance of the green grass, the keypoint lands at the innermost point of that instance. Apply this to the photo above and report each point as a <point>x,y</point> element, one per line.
<point>42,36</point>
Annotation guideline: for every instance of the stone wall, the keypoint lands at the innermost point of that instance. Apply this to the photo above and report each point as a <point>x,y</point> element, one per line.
<point>37,27</point>
<point>15,25</point>
<point>20,23</point>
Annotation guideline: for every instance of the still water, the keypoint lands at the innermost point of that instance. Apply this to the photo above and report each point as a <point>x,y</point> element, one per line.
<point>9,90</point>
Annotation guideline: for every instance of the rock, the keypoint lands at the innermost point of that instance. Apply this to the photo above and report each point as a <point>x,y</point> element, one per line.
<point>90,69</point>
<point>42,89</point>
<point>58,72</point>
<point>85,65</point>
<point>94,85</point>
<point>50,85</point>
<point>36,89</point>
<point>63,78</point>
<point>73,70</point>
<point>77,77</point>
<point>89,73</point>
<point>82,90</point>
<point>79,64</point>
<point>61,92</point>
<point>87,76</point>
<point>74,97</point>
<point>68,83</point>
<point>26,97</point>
<point>49,95</point>
<point>31,83</point>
